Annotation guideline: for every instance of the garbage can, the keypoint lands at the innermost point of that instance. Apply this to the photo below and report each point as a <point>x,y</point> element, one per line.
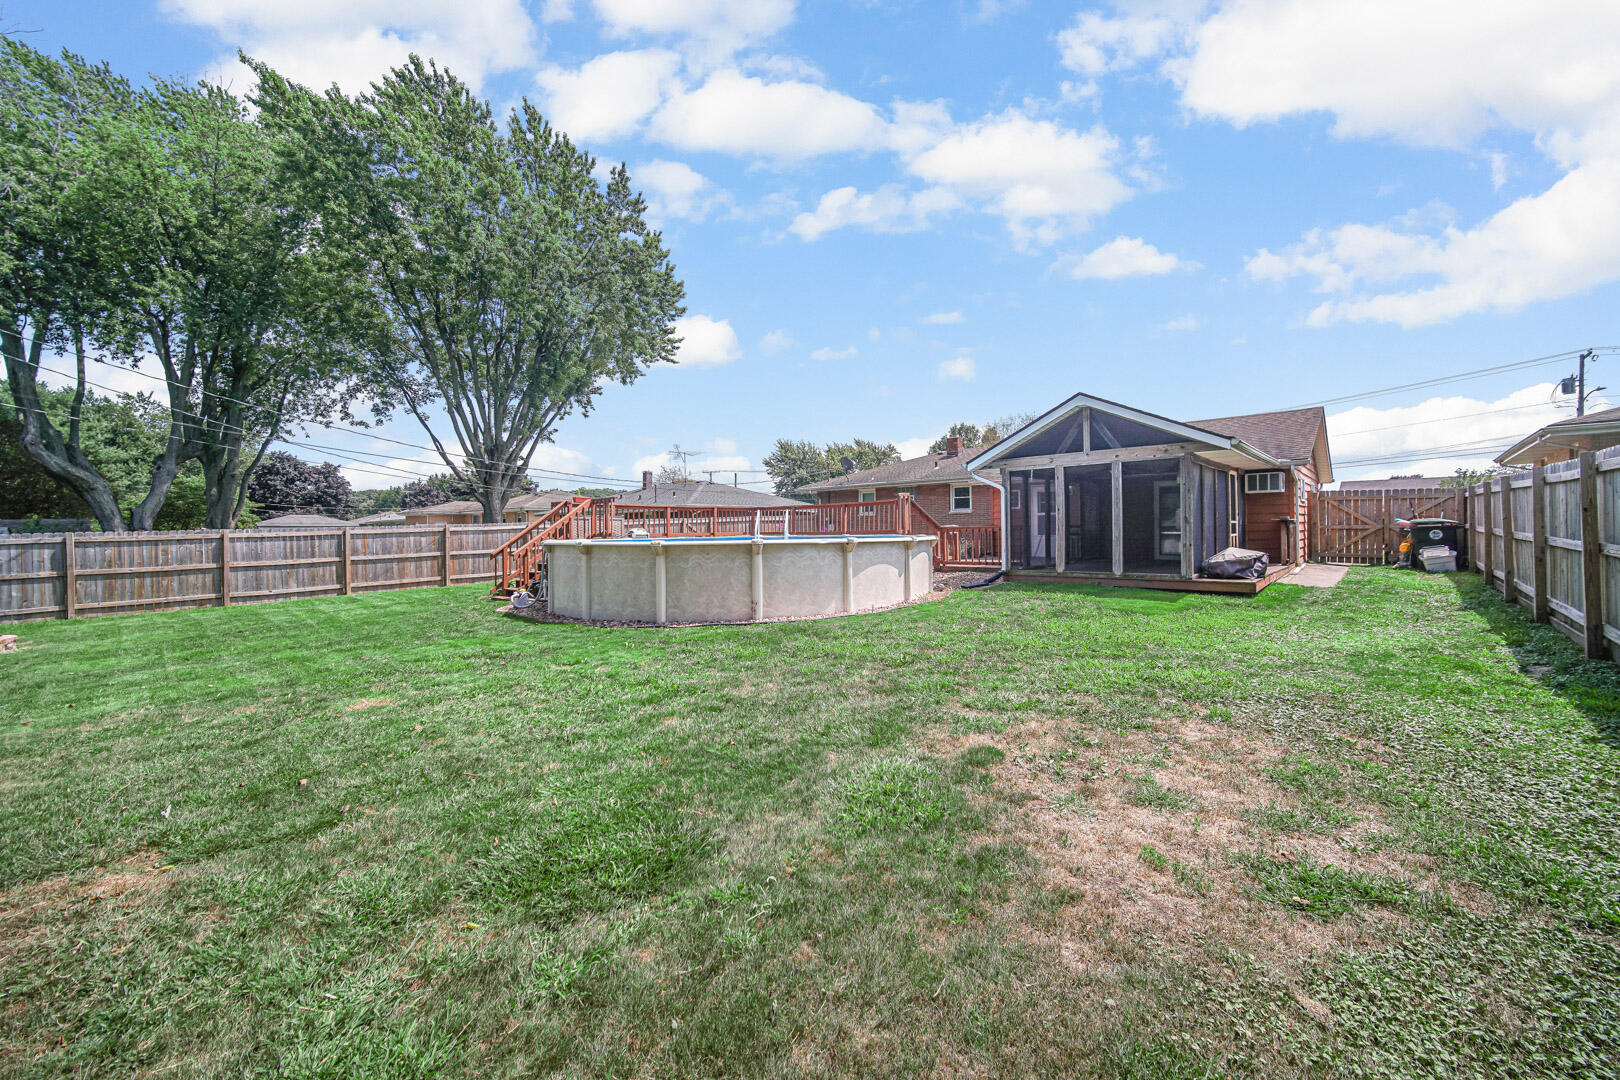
<point>1424,534</point>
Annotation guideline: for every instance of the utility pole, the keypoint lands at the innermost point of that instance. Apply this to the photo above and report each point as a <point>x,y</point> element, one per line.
<point>1576,384</point>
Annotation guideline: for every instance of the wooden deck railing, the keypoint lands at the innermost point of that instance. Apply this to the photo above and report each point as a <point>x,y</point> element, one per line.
<point>521,559</point>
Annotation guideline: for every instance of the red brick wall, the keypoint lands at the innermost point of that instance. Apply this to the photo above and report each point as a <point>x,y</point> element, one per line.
<point>935,499</point>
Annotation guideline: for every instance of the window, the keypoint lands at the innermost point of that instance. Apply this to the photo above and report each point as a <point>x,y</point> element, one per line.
<point>961,498</point>
<point>1257,483</point>
<point>867,495</point>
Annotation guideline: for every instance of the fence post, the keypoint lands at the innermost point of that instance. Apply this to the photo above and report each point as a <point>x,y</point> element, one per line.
<point>1591,560</point>
<point>1509,589</point>
<point>444,548</point>
<point>70,576</point>
<point>224,568</point>
<point>347,570</point>
<point>1490,544</point>
<point>1383,531</point>
<point>1538,539</point>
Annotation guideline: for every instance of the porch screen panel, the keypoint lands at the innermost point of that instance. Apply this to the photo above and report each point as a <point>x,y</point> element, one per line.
<point>1017,520</point>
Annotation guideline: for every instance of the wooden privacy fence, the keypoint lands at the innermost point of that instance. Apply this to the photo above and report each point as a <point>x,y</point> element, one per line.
<point>74,574</point>
<point>1359,526</point>
<point>1550,539</point>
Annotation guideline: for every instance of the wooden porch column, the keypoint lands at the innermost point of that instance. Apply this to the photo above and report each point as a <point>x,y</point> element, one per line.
<point>1189,469</point>
<point>1006,521</point>
<point>1118,475</point>
<point>1060,526</point>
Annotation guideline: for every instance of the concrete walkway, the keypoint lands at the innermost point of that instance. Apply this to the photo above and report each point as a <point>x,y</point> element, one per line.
<point>1316,575</point>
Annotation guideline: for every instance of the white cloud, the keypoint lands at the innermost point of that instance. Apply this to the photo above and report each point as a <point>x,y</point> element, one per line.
<point>775,342</point>
<point>942,318</point>
<point>911,448</point>
<point>889,209</point>
<point>959,368</point>
<point>356,42</point>
<point>706,342</point>
<point>1043,178</point>
<point>1126,256</point>
<point>1442,74</point>
<point>710,28</point>
<point>1180,324</point>
<point>608,96</point>
<point>675,190</point>
<point>733,113</point>
<point>1097,44</point>
<point>1425,437</point>
<point>1564,241</point>
<point>827,352</point>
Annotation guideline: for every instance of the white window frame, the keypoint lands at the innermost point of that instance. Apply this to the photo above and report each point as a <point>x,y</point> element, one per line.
<point>968,509</point>
<point>867,495</point>
<point>1275,483</point>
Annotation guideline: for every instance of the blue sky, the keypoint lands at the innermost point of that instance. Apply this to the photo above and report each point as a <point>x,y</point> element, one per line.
<point>890,216</point>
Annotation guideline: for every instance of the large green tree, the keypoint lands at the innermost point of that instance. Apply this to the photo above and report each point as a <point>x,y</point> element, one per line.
<point>61,261</point>
<point>285,483</point>
<point>248,301</point>
<point>515,283</point>
<point>794,464</point>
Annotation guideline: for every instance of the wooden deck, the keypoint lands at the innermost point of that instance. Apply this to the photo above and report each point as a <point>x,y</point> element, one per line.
<point>1169,582</point>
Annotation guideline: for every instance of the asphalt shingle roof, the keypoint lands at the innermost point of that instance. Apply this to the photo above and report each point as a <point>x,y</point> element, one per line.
<point>701,493</point>
<point>1602,416</point>
<point>300,521</point>
<point>1289,435</point>
<point>928,469</point>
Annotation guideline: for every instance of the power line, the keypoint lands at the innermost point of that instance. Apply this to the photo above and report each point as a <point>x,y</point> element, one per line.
<point>330,427</point>
<point>1463,376</point>
<point>543,474</point>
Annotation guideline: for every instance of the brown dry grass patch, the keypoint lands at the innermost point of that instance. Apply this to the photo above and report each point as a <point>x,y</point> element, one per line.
<point>1069,800</point>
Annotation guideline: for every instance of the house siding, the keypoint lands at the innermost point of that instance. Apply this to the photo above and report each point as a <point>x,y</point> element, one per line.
<point>935,499</point>
<point>1264,533</point>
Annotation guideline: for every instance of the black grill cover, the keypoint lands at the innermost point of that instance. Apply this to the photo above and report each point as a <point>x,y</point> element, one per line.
<point>1236,562</point>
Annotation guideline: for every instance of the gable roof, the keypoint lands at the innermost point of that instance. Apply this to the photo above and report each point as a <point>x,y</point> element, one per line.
<point>546,499</point>
<point>1602,422</point>
<point>942,468</point>
<point>701,493</point>
<point>1233,445</point>
<point>1398,483</point>
<point>381,517</point>
<point>1289,435</point>
<point>455,506</point>
<point>300,521</point>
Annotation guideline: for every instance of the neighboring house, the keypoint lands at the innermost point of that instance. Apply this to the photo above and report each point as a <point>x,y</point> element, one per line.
<point>939,482</point>
<point>456,512</point>
<point>698,493</point>
<point>1564,440</point>
<point>381,517</point>
<point>1399,483</point>
<point>302,521</point>
<point>529,507</point>
<point>1100,491</point>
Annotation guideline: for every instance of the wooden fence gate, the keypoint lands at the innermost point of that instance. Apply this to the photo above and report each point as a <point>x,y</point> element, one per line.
<point>1359,526</point>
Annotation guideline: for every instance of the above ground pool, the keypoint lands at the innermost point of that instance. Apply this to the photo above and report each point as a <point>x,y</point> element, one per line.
<point>734,578</point>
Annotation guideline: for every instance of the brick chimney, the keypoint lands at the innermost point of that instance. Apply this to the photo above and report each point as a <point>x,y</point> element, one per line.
<point>953,445</point>
<point>646,479</point>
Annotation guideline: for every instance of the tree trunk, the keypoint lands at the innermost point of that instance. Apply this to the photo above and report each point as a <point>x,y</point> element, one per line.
<point>59,457</point>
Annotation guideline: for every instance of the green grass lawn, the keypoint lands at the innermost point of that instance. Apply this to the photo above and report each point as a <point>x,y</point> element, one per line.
<point>1024,831</point>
